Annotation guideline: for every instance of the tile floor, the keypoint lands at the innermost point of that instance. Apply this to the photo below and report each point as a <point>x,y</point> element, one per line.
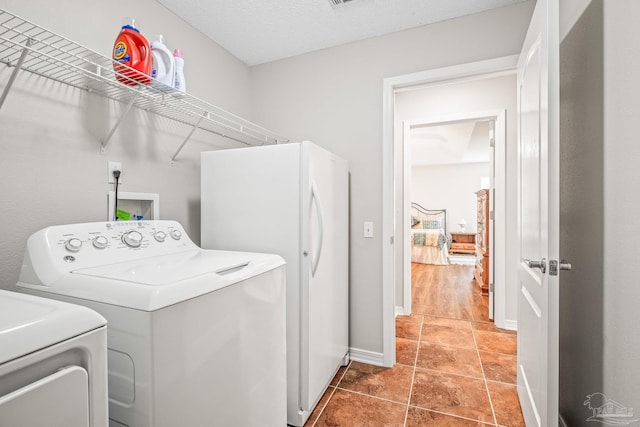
<point>449,372</point>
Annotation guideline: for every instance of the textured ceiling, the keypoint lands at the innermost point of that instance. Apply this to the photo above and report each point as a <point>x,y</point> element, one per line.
<point>259,31</point>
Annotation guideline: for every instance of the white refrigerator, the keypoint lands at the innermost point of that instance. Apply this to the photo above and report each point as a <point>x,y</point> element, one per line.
<point>291,200</point>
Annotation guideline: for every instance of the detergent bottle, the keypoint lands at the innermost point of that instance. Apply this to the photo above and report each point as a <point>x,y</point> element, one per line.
<point>162,62</point>
<point>179,82</point>
<point>131,49</point>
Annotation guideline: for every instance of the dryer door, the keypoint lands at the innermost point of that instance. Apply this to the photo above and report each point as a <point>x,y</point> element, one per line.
<point>61,399</point>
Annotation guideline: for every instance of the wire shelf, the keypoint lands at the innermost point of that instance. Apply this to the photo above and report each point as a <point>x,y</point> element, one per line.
<point>27,46</point>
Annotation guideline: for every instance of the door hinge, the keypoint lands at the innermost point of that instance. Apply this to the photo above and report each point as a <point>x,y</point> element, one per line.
<point>491,215</point>
<point>391,240</point>
<point>491,287</point>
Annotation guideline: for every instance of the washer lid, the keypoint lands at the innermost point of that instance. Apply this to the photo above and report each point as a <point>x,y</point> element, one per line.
<point>159,281</point>
<point>29,323</point>
<point>167,269</point>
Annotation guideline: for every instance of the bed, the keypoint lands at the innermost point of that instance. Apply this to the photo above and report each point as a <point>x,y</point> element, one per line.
<point>429,243</point>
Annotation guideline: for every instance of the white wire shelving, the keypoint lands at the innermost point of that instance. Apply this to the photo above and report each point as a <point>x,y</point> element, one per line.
<point>29,47</point>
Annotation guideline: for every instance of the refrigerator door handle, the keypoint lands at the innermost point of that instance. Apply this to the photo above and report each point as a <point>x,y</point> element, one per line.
<point>315,259</point>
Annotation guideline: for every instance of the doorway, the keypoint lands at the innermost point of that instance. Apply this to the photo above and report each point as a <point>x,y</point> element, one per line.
<point>393,202</point>
<point>464,142</point>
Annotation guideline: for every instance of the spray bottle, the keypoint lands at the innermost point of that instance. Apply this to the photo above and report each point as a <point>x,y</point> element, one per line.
<point>179,82</point>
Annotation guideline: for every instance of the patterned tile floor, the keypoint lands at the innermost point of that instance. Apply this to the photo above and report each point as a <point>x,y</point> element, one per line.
<point>449,372</point>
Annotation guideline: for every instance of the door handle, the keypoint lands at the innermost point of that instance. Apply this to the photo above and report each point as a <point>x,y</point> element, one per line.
<point>315,259</point>
<point>542,264</point>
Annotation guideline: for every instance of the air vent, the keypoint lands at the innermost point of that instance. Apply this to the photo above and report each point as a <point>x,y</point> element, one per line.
<point>338,3</point>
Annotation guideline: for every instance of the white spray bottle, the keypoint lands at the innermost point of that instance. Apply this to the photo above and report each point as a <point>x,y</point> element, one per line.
<point>163,63</point>
<point>179,82</point>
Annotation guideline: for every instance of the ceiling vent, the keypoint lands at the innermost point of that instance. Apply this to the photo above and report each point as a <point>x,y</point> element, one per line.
<point>338,3</point>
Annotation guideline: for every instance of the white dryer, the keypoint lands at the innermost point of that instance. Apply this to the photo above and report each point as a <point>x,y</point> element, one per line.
<point>53,363</point>
<point>195,338</point>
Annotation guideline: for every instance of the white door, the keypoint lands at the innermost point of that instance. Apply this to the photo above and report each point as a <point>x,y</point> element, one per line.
<point>538,109</point>
<point>324,285</point>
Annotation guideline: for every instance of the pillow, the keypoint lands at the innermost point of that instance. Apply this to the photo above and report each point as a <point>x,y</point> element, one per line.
<point>431,224</point>
<point>414,221</point>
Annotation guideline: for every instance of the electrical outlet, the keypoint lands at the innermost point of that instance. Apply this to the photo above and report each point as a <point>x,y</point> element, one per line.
<point>114,166</point>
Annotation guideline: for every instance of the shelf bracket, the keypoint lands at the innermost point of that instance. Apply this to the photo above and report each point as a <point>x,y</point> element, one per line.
<point>103,146</point>
<point>15,72</point>
<point>205,115</point>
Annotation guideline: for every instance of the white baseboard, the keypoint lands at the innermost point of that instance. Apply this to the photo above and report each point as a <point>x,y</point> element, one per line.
<point>399,310</point>
<point>511,325</point>
<point>366,356</point>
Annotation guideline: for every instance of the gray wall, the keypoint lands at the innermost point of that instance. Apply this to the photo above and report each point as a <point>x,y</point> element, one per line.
<point>581,215</point>
<point>52,169</point>
<point>599,316</point>
<point>334,98</point>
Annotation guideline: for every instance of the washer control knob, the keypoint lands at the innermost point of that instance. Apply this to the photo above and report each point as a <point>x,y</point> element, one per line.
<point>133,239</point>
<point>175,234</point>
<point>100,242</point>
<point>160,236</point>
<point>73,244</point>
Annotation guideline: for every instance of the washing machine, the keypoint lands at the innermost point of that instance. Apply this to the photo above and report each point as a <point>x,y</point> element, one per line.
<point>53,363</point>
<point>195,337</point>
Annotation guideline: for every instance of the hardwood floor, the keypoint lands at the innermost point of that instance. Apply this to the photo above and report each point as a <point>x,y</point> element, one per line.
<point>447,291</point>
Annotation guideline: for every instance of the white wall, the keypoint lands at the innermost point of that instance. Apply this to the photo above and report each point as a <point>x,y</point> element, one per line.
<point>52,169</point>
<point>450,187</point>
<point>334,97</point>
<point>469,97</point>
<point>621,329</point>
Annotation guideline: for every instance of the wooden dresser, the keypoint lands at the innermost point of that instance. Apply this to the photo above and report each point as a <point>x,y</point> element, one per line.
<point>481,272</point>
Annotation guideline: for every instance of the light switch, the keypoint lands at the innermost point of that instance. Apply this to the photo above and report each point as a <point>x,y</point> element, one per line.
<point>368,229</point>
